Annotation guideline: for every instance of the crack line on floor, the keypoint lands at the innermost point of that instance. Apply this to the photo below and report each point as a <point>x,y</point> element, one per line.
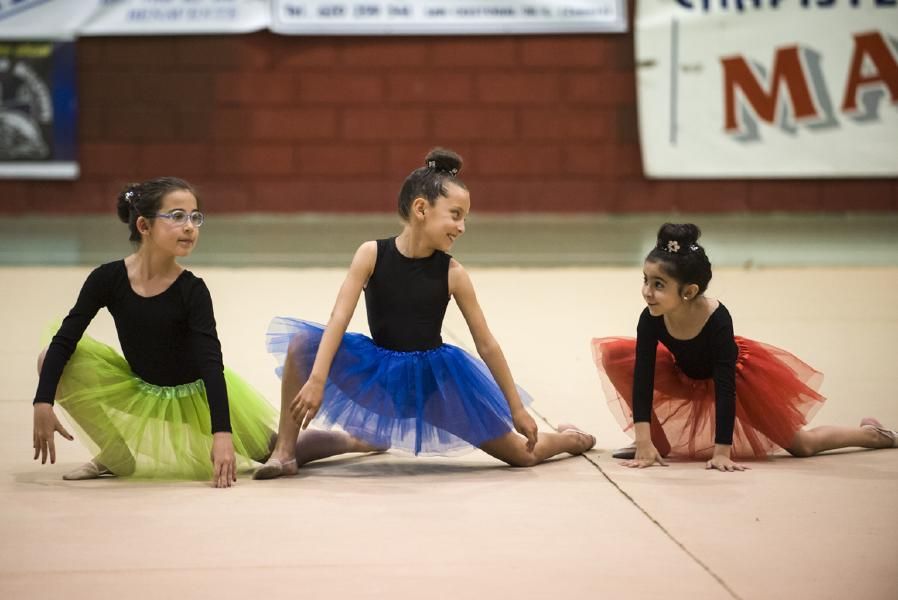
<point>663,529</point>
<point>689,553</point>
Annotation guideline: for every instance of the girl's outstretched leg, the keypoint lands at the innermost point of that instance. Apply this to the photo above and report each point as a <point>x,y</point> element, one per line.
<point>293,448</point>
<point>315,444</point>
<point>870,434</point>
<point>283,457</point>
<point>511,448</point>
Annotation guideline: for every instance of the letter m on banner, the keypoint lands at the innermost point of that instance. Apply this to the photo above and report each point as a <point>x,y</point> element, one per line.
<point>788,92</point>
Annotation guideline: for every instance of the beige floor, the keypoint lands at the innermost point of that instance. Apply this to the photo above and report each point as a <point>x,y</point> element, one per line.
<point>392,526</point>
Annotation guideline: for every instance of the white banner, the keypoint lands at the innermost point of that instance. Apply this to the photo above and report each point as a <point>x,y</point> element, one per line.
<point>768,88</point>
<point>65,19</point>
<point>459,17</point>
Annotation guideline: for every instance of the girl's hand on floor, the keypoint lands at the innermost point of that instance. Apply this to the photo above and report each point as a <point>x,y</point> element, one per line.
<point>224,463</point>
<point>646,456</point>
<point>45,425</point>
<point>722,461</point>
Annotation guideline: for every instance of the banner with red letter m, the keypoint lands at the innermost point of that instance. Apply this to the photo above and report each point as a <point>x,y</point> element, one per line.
<point>768,88</point>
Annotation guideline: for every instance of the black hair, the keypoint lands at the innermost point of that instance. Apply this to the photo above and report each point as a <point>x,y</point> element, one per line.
<point>441,166</point>
<point>680,256</point>
<point>145,200</point>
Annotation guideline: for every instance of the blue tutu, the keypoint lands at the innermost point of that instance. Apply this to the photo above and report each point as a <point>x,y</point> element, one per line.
<point>432,402</point>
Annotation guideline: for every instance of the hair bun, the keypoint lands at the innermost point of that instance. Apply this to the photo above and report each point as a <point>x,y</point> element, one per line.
<point>685,234</point>
<point>126,199</point>
<point>444,160</point>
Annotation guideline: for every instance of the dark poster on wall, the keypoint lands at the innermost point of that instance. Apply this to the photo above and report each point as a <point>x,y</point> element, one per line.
<point>38,110</point>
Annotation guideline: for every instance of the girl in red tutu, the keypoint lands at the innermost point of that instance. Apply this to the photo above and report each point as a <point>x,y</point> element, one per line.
<point>705,392</point>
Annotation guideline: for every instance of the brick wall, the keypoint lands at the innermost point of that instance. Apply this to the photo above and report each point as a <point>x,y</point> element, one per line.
<point>285,123</point>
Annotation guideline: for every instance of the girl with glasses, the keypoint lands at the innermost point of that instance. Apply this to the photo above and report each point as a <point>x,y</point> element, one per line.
<point>169,404</point>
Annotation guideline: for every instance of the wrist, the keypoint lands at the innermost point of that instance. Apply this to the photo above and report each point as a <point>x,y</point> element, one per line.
<point>643,432</point>
<point>316,379</point>
<point>723,450</point>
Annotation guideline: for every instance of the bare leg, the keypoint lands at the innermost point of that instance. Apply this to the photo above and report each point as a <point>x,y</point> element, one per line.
<point>294,448</point>
<point>831,437</point>
<point>512,448</point>
<point>315,444</point>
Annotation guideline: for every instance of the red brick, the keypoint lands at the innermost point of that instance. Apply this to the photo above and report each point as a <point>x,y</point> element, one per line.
<point>302,195</point>
<point>104,88</point>
<point>606,88</point>
<point>382,51</point>
<point>347,160</point>
<point>193,125</point>
<point>257,159</point>
<point>15,197</point>
<point>519,89</point>
<point>308,52</point>
<point>605,161</point>
<point>712,196</point>
<point>109,160</point>
<point>337,88</point>
<point>182,160</point>
<point>139,124</point>
<point>222,196</point>
<point>70,197</point>
<point>566,125</point>
<point>474,51</point>
<point>230,51</point>
<point>260,88</point>
<point>148,53</point>
<point>626,124</point>
<point>548,195</point>
<point>785,195</point>
<point>89,52</point>
<point>383,124</point>
<point>538,161</point>
<point>644,196</point>
<point>175,89</point>
<point>474,124</point>
<point>562,51</point>
<point>859,194</point>
<point>427,87</point>
<point>90,125</point>
<point>274,124</point>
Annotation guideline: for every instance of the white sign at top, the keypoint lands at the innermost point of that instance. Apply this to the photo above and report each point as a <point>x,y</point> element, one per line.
<point>459,17</point>
<point>66,19</point>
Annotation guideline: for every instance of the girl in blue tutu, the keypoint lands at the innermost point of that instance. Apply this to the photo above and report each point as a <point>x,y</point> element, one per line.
<point>405,388</point>
<point>168,408</point>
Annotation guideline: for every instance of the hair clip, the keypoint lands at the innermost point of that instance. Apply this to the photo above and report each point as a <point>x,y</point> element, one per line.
<point>673,246</point>
<point>693,248</point>
<point>432,164</point>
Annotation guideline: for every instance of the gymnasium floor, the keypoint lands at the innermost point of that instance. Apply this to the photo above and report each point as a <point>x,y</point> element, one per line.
<point>393,526</point>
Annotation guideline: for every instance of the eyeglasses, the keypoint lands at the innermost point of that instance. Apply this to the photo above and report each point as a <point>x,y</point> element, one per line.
<point>180,217</point>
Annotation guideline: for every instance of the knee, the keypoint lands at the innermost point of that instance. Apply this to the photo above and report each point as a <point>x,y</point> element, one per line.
<point>801,446</point>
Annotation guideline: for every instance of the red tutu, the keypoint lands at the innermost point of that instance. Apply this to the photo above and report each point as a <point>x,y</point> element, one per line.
<point>776,395</point>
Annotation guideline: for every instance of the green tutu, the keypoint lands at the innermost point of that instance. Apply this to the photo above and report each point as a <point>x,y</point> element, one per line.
<point>141,430</point>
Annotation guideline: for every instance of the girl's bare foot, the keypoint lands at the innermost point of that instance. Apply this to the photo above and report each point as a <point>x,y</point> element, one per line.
<point>585,441</point>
